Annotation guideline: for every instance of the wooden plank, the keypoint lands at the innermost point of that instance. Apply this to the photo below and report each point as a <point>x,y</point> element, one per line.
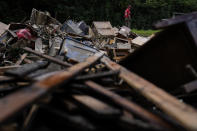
<point>95,106</point>
<point>69,106</point>
<point>21,59</point>
<point>184,114</point>
<point>14,102</point>
<point>4,68</point>
<point>5,78</point>
<point>30,117</point>
<point>50,58</point>
<point>26,69</point>
<point>128,105</point>
<point>28,61</point>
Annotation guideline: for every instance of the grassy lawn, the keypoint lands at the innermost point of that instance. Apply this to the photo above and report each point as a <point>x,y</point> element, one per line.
<point>144,32</point>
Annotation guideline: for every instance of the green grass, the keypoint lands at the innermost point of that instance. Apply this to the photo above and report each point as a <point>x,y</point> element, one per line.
<point>144,32</point>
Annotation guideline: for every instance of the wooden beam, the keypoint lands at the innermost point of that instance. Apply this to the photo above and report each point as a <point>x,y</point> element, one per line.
<point>184,114</point>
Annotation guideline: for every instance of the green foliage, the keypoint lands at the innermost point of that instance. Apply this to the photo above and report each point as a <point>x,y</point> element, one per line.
<point>143,12</point>
<point>145,32</point>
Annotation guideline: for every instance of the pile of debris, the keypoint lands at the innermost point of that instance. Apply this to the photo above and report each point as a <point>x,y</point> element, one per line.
<point>46,35</point>
<point>64,76</point>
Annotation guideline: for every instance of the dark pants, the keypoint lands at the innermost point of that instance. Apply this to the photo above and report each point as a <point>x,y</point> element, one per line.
<point>127,22</point>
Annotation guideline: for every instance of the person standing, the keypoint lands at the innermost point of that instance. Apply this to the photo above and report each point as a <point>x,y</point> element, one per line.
<point>127,16</point>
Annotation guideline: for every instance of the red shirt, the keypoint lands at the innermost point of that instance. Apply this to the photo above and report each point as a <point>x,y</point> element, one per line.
<point>127,13</point>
